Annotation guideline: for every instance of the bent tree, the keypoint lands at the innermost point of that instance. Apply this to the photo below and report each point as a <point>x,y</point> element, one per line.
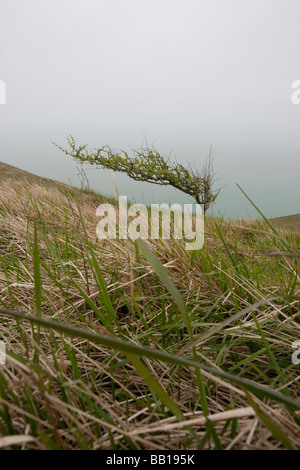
<point>150,166</point>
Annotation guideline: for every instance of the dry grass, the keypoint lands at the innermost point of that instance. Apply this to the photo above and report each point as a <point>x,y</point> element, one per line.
<point>64,392</point>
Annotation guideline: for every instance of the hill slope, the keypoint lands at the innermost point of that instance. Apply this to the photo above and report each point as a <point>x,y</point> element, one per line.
<point>12,172</point>
<point>289,221</point>
<point>224,307</point>
<point>9,173</point>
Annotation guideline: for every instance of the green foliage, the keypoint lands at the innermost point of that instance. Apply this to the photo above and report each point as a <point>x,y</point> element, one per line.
<point>148,165</point>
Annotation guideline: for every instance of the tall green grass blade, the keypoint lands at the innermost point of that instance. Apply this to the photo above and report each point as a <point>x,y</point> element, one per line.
<point>154,385</point>
<point>37,274</point>
<point>103,293</point>
<point>179,300</point>
<point>167,282</point>
<point>226,322</point>
<point>265,219</point>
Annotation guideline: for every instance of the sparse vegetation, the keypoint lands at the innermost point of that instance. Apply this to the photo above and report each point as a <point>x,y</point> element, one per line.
<point>177,350</point>
<point>289,221</point>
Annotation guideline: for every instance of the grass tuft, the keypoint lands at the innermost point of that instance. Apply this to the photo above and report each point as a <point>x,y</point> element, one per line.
<point>113,344</point>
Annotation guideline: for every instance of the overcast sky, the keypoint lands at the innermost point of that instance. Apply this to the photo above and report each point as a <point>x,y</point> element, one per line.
<point>185,75</point>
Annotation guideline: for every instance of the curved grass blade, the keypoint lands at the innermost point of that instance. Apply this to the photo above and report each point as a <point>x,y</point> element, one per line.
<point>37,274</point>
<point>265,219</point>
<point>167,282</point>
<point>179,300</point>
<point>226,322</point>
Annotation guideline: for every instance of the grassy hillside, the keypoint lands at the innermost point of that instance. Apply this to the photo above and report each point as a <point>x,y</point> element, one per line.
<point>290,221</point>
<point>143,345</point>
<point>12,172</point>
